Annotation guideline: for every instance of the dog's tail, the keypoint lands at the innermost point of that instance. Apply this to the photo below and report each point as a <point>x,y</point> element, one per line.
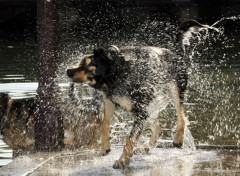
<point>189,28</point>
<point>189,23</point>
<point>184,35</point>
<point>182,60</point>
<point>186,32</point>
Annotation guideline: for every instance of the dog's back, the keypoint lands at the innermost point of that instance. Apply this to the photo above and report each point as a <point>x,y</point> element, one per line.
<point>145,78</point>
<point>145,67</point>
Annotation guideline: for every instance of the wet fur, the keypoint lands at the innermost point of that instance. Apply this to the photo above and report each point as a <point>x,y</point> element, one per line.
<point>135,80</point>
<point>133,85</point>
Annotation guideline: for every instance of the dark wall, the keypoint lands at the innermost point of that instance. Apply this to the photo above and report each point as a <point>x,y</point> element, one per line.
<point>18,19</point>
<point>19,16</point>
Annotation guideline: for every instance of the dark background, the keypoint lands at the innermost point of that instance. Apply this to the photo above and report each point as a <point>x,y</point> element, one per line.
<point>19,17</point>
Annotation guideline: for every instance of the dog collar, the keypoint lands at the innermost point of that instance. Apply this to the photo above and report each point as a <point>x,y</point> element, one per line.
<point>114,54</point>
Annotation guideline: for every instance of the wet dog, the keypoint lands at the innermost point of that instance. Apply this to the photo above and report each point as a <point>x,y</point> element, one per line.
<point>141,80</point>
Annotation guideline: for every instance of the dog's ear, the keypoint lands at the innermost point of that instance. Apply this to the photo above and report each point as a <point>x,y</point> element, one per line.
<point>100,54</point>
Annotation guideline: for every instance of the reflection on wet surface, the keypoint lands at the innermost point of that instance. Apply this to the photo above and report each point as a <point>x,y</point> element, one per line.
<point>162,162</point>
<point>15,91</point>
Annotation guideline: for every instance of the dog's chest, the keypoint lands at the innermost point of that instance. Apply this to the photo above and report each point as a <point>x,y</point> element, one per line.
<point>123,101</point>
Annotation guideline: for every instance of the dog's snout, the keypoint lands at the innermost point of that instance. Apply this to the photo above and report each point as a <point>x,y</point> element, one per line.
<point>70,73</point>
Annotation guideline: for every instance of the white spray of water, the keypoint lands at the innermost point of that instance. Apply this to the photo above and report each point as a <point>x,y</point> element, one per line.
<point>192,39</point>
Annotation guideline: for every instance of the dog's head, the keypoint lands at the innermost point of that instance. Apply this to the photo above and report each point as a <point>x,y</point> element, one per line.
<point>92,69</point>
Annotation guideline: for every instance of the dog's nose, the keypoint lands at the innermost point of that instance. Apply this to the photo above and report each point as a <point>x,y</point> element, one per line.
<point>70,73</point>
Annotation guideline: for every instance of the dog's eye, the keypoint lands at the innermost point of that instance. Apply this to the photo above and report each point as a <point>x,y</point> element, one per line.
<point>90,72</point>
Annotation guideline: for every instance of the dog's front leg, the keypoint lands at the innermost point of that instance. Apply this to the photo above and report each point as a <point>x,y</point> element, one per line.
<point>129,144</point>
<point>109,109</point>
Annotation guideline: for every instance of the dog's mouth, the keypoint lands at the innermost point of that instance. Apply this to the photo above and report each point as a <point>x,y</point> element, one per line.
<point>79,75</point>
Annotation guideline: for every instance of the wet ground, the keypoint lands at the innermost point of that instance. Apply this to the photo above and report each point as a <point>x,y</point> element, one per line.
<point>160,161</point>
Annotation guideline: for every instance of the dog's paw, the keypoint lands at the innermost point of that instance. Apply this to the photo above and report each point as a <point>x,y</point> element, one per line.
<point>120,164</point>
<point>178,141</point>
<point>104,152</point>
<point>141,150</point>
<point>178,145</point>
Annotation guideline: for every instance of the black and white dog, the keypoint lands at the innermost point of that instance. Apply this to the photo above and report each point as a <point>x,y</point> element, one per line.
<point>139,79</point>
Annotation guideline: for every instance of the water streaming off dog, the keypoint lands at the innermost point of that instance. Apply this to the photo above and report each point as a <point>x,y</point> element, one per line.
<point>212,89</point>
<point>210,60</point>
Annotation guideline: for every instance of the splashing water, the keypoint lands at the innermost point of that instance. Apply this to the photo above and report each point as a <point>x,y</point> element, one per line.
<point>224,20</point>
<point>198,45</point>
<point>214,89</point>
<point>212,107</point>
<point>188,142</point>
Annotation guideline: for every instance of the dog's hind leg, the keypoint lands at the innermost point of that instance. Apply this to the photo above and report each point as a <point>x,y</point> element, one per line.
<point>129,144</point>
<point>156,131</point>
<point>109,108</point>
<point>181,119</point>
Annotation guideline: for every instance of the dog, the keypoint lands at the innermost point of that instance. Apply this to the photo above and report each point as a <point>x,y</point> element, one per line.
<point>140,80</point>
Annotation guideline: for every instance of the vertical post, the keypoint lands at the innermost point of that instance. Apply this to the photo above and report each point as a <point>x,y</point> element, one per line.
<point>49,133</point>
